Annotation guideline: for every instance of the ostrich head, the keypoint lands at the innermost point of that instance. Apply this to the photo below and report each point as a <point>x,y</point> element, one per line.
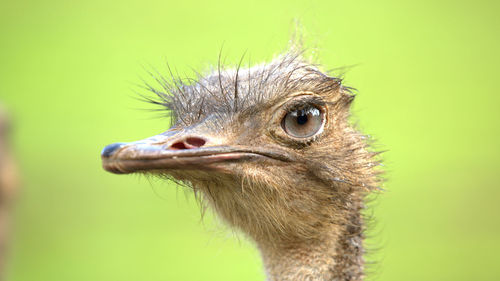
<point>269,148</point>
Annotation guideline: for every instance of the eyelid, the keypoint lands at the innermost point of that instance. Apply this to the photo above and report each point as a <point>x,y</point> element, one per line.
<point>302,102</point>
<point>305,101</point>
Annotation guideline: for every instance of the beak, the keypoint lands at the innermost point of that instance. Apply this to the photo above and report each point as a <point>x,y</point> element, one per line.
<point>179,150</point>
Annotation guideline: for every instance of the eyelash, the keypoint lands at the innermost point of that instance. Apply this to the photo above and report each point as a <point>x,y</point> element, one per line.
<point>302,103</point>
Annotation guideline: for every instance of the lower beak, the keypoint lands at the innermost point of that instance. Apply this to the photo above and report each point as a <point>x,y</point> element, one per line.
<point>177,150</point>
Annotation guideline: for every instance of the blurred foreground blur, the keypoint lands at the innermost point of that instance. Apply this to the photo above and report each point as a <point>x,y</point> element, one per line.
<point>8,184</point>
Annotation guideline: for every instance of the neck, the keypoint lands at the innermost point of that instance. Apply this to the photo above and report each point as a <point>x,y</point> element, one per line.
<point>337,255</point>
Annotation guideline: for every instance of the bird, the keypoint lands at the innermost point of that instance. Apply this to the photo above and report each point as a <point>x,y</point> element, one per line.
<point>270,148</point>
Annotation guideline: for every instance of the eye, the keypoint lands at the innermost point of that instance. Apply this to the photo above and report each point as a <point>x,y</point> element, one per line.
<point>303,122</point>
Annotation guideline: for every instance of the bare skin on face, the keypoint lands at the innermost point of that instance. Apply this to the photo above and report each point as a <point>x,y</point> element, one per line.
<point>271,150</point>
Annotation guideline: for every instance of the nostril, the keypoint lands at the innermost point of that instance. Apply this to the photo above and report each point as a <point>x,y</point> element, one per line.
<point>188,143</point>
<point>196,142</point>
<point>178,145</point>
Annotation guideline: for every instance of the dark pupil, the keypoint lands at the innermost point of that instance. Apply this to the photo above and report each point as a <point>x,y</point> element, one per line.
<point>302,118</point>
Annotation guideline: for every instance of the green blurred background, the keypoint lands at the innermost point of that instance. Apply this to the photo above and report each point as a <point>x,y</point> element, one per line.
<point>427,79</point>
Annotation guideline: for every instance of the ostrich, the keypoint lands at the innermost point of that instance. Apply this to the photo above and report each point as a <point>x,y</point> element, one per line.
<point>271,151</point>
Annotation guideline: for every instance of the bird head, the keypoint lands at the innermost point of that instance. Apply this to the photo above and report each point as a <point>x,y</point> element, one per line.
<point>269,147</point>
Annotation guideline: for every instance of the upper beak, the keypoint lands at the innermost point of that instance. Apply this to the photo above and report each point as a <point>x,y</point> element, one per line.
<point>178,149</point>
